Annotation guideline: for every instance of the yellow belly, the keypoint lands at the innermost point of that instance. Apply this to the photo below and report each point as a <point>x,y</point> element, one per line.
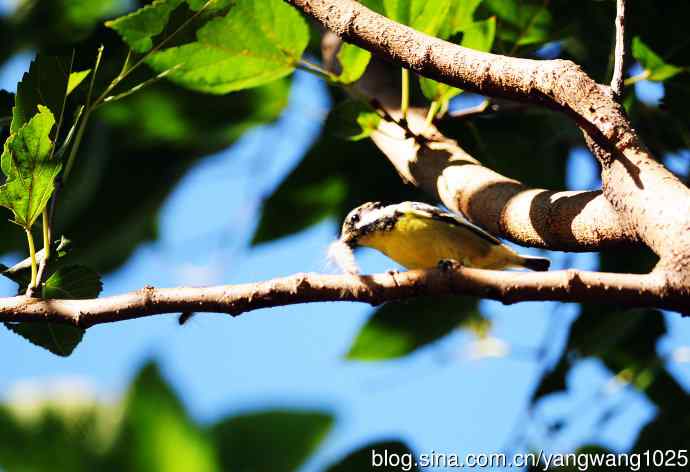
<point>420,243</point>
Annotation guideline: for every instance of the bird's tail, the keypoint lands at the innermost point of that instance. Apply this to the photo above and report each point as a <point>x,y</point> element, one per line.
<point>540,264</point>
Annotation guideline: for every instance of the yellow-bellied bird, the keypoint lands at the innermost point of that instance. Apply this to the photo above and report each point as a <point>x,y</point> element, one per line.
<point>419,236</point>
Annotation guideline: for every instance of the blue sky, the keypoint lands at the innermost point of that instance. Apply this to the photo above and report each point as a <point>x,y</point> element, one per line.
<point>438,399</point>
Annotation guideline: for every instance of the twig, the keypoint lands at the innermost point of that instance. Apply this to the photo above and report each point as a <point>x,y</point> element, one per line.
<point>619,64</point>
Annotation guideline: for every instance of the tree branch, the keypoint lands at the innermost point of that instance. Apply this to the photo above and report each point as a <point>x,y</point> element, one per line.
<point>507,287</point>
<point>619,54</point>
<point>566,221</point>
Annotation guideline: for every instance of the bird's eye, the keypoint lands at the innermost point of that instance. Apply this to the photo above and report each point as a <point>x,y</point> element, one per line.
<point>355,218</point>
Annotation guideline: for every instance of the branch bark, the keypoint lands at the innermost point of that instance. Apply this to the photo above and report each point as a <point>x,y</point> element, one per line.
<point>619,52</point>
<point>507,287</point>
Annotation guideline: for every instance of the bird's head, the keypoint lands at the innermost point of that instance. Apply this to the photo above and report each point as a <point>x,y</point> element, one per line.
<point>361,221</point>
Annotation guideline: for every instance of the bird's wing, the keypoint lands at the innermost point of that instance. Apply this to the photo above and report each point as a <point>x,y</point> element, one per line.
<point>431,211</point>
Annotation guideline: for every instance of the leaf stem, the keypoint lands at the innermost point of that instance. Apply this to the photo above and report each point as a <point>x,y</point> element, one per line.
<point>32,254</point>
<point>85,119</point>
<point>433,111</point>
<point>46,234</point>
<point>405,94</point>
<point>637,78</point>
<point>316,70</point>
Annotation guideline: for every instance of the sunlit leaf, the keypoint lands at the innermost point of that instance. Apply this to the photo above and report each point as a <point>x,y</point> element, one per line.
<point>30,171</point>
<point>460,16</point>
<point>426,16</point>
<point>76,78</point>
<point>353,61</point>
<point>257,42</point>
<point>139,27</point>
<point>657,69</point>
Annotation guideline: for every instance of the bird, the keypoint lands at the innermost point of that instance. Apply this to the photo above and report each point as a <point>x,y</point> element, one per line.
<point>420,236</point>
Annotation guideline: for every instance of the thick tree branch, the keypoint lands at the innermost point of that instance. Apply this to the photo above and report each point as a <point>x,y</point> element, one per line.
<point>566,221</point>
<point>508,287</point>
<point>619,53</point>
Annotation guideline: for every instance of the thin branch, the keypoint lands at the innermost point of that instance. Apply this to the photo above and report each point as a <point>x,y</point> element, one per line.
<point>619,63</point>
<point>507,287</point>
<point>557,220</point>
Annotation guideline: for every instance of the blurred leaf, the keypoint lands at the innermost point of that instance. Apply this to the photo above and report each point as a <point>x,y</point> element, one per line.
<point>157,434</point>
<point>20,273</point>
<point>270,441</point>
<point>60,339</point>
<point>353,61</point>
<point>44,84</point>
<point>361,459</point>
<point>426,16</point>
<point>479,36</point>
<point>653,64</point>
<point>521,22</point>
<point>30,171</point>
<point>257,42</point>
<point>76,78</point>
<point>73,282</point>
<point>139,27</point>
<point>75,430</point>
<point>399,328</point>
<point>353,120</point>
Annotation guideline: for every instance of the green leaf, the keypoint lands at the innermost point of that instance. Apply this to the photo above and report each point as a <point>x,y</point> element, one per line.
<point>60,339</point>
<point>157,433</point>
<point>399,328</point>
<point>30,171</point>
<point>426,16</point>
<point>522,23</point>
<point>139,27</point>
<point>479,36</point>
<point>353,120</point>
<point>361,459</point>
<point>44,84</point>
<point>656,68</point>
<point>76,78</point>
<point>257,42</point>
<point>460,16</point>
<point>353,61</point>
<point>270,441</point>
<point>73,282</point>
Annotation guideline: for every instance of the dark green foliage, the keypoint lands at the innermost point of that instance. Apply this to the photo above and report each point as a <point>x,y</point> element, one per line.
<point>399,328</point>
